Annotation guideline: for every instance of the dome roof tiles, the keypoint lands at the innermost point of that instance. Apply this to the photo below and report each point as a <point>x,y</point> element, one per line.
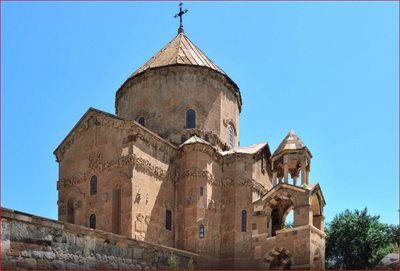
<point>179,51</point>
<point>291,143</point>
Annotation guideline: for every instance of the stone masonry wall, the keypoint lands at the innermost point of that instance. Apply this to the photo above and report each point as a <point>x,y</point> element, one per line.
<point>31,242</point>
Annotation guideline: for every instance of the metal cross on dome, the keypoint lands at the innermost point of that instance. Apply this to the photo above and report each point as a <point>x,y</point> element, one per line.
<point>180,14</point>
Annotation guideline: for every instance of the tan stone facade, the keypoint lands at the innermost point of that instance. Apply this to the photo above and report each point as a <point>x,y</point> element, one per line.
<point>168,169</point>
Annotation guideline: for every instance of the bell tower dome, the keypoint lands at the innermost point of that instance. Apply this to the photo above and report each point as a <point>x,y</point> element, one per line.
<point>180,92</point>
<point>291,157</point>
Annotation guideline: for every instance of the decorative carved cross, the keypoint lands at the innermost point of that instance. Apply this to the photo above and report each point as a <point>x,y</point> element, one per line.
<point>180,14</point>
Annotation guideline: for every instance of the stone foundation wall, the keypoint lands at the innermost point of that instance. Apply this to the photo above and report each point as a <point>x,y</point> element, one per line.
<point>31,242</point>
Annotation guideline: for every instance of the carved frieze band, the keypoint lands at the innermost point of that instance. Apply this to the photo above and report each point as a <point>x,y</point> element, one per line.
<point>199,173</point>
<point>224,182</point>
<point>96,164</point>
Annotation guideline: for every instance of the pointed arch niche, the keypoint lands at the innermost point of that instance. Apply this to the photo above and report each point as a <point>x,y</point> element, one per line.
<point>119,191</point>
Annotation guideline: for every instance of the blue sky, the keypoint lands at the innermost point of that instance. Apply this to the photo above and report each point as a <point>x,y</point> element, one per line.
<point>328,70</point>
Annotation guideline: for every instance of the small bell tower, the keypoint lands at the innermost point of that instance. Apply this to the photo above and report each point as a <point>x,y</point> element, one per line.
<point>291,157</point>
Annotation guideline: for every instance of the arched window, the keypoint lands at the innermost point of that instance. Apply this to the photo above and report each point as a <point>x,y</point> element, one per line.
<point>276,221</point>
<point>201,191</point>
<point>201,231</point>
<point>92,221</point>
<point>93,185</point>
<point>231,135</point>
<point>190,119</point>
<point>141,121</point>
<point>168,219</point>
<point>244,220</point>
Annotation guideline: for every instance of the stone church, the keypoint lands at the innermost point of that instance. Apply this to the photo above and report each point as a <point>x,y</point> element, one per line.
<point>167,168</point>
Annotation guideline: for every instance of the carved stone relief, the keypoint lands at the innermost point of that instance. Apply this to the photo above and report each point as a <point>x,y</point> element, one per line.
<point>78,204</point>
<point>98,165</point>
<point>92,200</point>
<point>104,197</point>
<point>61,208</point>
<point>199,173</point>
<point>212,205</point>
<point>138,197</point>
<point>225,182</point>
<point>141,226</point>
<point>167,204</point>
<point>190,200</point>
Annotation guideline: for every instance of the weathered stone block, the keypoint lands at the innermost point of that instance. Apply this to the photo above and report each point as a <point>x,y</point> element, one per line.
<point>113,265</point>
<point>13,252</point>
<point>49,256</point>
<point>29,263</point>
<point>8,265</point>
<point>42,264</point>
<point>57,264</point>
<point>26,254</point>
<point>37,254</point>
<point>54,256</point>
<point>101,265</point>
<point>72,266</point>
<point>75,258</point>
<point>5,245</point>
<point>137,253</point>
<point>5,230</point>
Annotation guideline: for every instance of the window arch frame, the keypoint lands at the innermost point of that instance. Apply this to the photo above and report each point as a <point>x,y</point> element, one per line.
<point>231,134</point>
<point>190,119</point>
<point>168,219</point>
<point>244,221</point>
<point>201,231</point>
<point>93,185</point>
<point>92,221</point>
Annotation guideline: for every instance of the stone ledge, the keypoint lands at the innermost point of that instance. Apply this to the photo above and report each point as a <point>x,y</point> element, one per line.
<point>311,228</point>
<point>9,214</point>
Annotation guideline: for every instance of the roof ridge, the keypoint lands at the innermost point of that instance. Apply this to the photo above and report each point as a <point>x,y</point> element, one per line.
<point>179,46</point>
<point>211,63</point>
<point>148,62</point>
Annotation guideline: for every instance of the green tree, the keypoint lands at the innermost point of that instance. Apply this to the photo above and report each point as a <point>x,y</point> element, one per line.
<point>357,240</point>
<point>190,264</point>
<point>172,262</point>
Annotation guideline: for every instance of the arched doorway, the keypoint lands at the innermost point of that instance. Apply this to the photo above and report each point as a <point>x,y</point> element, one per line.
<point>279,213</point>
<point>278,259</point>
<point>318,218</point>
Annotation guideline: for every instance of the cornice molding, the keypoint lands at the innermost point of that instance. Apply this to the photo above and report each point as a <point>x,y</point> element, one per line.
<point>224,182</point>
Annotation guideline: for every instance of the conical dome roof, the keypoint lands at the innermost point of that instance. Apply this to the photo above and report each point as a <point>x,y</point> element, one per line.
<point>179,51</point>
<point>291,143</point>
